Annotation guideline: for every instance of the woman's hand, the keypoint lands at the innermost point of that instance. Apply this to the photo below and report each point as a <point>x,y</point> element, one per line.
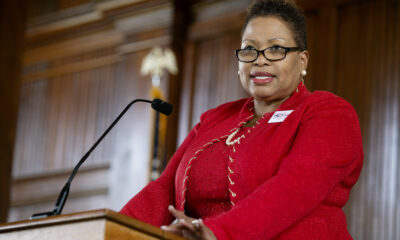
<point>187,227</point>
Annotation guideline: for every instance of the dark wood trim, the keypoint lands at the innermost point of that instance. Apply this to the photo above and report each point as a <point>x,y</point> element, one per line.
<point>323,57</point>
<point>231,22</point>
<point>185,116</point>
<point>311,5</point>
<point>11,45</point>
<point>72,68</point>
<point>97,19</point>
<point>80,45</point>
<point>182,19</point>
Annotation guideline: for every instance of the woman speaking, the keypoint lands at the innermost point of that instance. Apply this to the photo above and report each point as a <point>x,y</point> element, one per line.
<point>277,165</point>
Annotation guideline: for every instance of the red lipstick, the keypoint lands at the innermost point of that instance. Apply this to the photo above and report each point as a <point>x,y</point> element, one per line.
<point>261,77</point>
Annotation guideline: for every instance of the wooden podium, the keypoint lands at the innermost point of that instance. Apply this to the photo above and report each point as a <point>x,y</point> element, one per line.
<point>91,225</point>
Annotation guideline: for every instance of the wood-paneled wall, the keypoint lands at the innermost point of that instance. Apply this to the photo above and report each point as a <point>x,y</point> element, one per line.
<point>369,76</point>
<point>79,73</point>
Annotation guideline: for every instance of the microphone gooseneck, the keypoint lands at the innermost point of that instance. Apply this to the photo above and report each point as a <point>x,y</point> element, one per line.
<point>157,104</point>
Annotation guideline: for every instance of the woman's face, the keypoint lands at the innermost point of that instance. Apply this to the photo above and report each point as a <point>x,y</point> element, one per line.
<point>271,81</point>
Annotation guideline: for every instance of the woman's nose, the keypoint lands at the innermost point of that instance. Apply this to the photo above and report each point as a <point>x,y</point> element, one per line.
<point>262,60</point>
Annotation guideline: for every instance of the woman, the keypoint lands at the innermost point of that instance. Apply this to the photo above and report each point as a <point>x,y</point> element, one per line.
<point>277,165</point>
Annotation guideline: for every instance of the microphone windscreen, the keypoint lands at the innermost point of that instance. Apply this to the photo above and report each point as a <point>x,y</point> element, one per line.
<point>161,106</point>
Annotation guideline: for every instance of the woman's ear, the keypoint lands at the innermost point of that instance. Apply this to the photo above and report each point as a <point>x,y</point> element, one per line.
<point>304,55</point>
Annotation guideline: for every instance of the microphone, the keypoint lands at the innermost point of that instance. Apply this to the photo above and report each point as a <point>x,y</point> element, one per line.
<point>161,106</point>
<point>157,104</point>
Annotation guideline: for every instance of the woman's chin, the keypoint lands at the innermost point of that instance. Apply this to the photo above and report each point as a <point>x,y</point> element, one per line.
<point>263,97</point>
<point>261,92</point>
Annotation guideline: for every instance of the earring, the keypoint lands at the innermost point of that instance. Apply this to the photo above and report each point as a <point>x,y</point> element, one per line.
<point>303,74</point>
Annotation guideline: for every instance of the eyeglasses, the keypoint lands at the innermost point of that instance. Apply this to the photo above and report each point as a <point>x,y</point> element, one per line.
<point>274,53</point>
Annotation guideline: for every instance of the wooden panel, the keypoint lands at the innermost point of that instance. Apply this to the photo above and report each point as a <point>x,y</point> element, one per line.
<point>71,3</point>
<point>80,45</point>
<point>76,83</point>
<point>369,78</point>
<point>89,18</point>
<point>73,68</point>
<point>311,5</point>
<point>61,118</point>
<point>322,48</point>
<point>181,18</point>
<point>116,231</point>
<point>11,45</point>
<point>186,104</point>
<point>215,74</point>
<point>217,27</point>
<point>37,189</point>
<point>74,204</point>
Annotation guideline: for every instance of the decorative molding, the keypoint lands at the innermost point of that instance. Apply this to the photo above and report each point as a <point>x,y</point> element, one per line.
<point>90,15</point>
<point>110,5</point>
<point>72,68</point>
<point>60,15</point>
<point>145,44</point>
<point>85,44</point>
<point>151,18</point>
<point>76,16</point>
<point>231,22</point>
<point>63,24</point>
<point>135,29</point>
<point>44,188</point>
<point>209,10</point>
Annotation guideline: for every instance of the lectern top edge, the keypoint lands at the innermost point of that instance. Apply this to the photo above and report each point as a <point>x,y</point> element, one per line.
<point>88,216</point>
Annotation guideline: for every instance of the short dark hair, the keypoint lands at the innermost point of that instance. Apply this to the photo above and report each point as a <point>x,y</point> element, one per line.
<point>287,10</point>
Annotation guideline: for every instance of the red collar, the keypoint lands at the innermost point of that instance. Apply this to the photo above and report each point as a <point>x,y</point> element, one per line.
<point>293,101</point>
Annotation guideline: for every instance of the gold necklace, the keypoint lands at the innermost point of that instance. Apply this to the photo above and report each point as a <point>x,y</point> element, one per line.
<point>249,123</point>
<point>229,141</point>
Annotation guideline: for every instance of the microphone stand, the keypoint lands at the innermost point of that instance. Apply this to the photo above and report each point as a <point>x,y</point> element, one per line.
<point>62,197</point>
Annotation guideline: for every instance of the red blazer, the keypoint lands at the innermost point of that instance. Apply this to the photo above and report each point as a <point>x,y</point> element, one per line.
<point>290,178</point>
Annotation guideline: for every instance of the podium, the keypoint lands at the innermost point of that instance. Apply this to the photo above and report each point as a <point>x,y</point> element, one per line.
<point>91,225</point>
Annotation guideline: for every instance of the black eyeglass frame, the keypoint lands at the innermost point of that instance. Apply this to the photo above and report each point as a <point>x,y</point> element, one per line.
<point>287,49</point>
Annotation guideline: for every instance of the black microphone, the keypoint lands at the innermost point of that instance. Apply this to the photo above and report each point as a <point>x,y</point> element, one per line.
<point>161,106</point>
<point>157,104</point>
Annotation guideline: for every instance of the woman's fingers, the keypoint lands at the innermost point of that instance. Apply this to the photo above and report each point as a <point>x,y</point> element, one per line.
<point>181,228</point>
<point>174,228</point>
<point>185,221</point>
<point>176,213</point>
<point>189,235</point>
<point>190,228</point>
<point>189,225</point>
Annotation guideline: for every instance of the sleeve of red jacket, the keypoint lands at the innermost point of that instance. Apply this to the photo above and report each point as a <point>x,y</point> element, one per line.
<point>151,203</point>
<point>327,148</point>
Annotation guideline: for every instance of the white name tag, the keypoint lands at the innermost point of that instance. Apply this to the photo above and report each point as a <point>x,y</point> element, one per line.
<point>279,116</point>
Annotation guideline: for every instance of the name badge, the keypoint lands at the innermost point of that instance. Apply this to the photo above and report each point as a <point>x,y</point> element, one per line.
<point>279,116</point>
